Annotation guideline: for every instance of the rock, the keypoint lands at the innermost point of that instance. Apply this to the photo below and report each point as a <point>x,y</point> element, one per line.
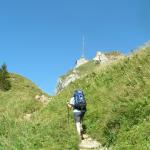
<point>27,117</point>
<point>89,143</point>
<point>37,97</point>
<point>63,83</point>
<point>85,136</point>
<point>13,79</point>
<point>100,58</point>
<point>43,99</point>
<point>69,79</point>
<point>80,62</point>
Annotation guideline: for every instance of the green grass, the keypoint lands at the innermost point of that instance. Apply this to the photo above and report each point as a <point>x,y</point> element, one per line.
<point>118,104</point>
<point>14,104</point>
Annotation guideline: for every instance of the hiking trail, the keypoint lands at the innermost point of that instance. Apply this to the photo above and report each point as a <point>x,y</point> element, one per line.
<point>89,143</point>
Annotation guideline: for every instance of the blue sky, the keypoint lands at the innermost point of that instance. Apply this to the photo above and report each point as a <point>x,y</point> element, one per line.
<point>41,39</point>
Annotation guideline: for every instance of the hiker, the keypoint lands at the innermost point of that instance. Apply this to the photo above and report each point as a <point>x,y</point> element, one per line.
<point>78,104</point>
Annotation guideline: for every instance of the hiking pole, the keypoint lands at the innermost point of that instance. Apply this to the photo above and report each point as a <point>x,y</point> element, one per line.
<point>68,115</point>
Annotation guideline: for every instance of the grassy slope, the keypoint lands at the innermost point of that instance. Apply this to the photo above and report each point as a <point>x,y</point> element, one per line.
<point>119,103</point>
<point>14,104</point>
<point>118,111</point>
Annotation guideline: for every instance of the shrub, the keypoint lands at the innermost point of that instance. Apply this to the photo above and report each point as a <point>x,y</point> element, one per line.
<point>4,75</point>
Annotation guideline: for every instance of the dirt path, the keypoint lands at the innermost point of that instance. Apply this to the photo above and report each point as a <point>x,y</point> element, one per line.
<point>89,143</point>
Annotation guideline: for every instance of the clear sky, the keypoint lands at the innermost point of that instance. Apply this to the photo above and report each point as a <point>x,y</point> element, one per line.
<point>41,39</point>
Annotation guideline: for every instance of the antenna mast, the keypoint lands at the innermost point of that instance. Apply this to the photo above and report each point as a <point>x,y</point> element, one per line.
<point>83,46</point>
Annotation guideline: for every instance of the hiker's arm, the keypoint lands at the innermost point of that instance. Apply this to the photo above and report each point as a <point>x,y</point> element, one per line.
<point>69,105</point>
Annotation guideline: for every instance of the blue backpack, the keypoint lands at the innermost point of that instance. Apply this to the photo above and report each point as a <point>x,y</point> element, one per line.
<point>80,102</point>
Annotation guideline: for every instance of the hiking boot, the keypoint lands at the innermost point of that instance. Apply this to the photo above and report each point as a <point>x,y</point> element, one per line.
<point>81,136</point>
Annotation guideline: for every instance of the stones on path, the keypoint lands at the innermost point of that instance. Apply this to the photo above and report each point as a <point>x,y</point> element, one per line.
<point>89,143</point>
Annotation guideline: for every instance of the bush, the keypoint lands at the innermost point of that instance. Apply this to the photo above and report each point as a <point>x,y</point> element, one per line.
<point>4,75</point>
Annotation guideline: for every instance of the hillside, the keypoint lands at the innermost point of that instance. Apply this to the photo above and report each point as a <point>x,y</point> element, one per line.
<point>119,102</point>
<point>22,93</point>
<point>118,98</point>
<point>14,105</point>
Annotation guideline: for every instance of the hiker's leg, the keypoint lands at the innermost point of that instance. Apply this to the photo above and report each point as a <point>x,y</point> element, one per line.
<point>78,128</point>
<point>77,118</point>
<point>81,126</point>
<point>81,121</point>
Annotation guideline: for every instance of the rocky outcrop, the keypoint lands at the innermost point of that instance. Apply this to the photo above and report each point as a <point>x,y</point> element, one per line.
<point>43,99</point>
<point>100,57</point>
<point>62,83</point>
<point>80,62</point>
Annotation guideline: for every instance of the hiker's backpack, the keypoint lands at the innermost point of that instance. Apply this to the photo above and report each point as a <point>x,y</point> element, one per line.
<point>79,100</point>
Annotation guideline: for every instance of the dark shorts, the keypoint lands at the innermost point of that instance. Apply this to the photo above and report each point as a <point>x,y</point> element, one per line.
<point>78,116</point>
